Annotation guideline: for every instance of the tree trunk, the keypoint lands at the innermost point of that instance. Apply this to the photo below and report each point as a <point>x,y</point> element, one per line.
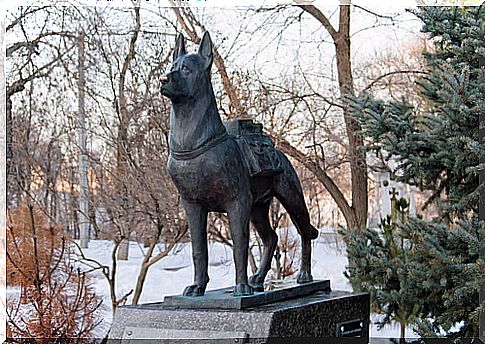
<point>252,261</point>
<point>83,162</point>
<point>149,261</point>
<point>124,248</point>
<point>358,163</point>
<point>277,258</point>
<point>9,145</point>
<point>355,214</point>
<point>122,139</point>
<point>140,282</point>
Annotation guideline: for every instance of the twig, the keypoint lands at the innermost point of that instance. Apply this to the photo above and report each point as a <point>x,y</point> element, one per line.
<point>390,74</point>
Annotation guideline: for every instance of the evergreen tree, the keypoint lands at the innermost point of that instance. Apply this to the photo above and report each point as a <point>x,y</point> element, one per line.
<point>381,267</point>
<point>437,149</point>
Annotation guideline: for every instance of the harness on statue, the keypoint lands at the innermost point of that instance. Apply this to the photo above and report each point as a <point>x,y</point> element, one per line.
<point>257,148</point>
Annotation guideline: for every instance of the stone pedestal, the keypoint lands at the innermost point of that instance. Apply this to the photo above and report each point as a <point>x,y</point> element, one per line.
<point>321,313</point>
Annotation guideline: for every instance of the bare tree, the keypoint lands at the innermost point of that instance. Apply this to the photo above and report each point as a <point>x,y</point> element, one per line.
<point>356,212</point>
<point>83,163</point>
<point>29,57</point>
<point>126,127</point>
<point>123,148</point>
<point>149,259</point>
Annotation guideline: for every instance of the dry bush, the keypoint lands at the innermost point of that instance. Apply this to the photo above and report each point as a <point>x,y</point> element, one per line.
<point>55,300</point>
<point>21,234</point>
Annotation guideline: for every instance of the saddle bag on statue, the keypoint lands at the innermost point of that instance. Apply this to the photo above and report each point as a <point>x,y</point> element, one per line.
<point>257,148</point>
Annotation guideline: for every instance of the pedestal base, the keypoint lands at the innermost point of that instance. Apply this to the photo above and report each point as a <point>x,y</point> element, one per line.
<point>223,298</point>
<point>321,314</point>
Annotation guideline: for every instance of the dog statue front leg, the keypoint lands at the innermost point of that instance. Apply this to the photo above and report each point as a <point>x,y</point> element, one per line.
<point>197,220</point>
<point>239,214</point>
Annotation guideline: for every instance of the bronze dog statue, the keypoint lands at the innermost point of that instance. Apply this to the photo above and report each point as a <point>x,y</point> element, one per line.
<point>218,171</point>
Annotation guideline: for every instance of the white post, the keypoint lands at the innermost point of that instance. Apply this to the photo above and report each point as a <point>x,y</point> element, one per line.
<point>402,189</point>
<point>412,202</point>
<point>83,163</point>
<point>385,197</point>
<point>374,219</point>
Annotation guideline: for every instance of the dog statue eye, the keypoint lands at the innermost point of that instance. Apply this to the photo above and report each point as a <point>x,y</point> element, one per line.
<point>185,69</point>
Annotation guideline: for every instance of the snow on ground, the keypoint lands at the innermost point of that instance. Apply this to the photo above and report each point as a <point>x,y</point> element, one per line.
<point>174,272</point>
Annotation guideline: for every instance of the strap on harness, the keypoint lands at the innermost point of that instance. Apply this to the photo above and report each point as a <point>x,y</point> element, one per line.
<point>209,144</point>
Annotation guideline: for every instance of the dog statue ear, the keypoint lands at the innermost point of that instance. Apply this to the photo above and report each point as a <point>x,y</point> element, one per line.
<point>179,47</point>
<point>205,49</point>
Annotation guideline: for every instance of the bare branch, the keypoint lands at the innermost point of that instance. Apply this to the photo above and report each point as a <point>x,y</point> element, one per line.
<point>373,13</point>
<point>318,15</point>
<point>29,11</point>
<point>19,85</point>
<point>33,44</point>
<point>321,175</point>
<point>368,87</point>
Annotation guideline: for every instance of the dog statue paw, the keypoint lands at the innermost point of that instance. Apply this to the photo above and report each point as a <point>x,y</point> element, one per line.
<point>304,277</point>
<point>256,282</point>
<point>242,289</point>
<point>194,290</point>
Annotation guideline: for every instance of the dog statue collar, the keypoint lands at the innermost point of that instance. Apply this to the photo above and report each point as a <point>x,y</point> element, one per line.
<point>206,146</point>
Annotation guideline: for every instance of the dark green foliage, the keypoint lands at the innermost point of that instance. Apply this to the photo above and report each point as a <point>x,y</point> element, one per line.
<point>437,270</point>
<point>380,267</point>
<point>438,149</point>
<point>452,254</point>
<point>447,269</point>
<point>421,271</point>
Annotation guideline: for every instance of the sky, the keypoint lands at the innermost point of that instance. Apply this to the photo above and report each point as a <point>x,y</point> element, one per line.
<point>304,46</point>
<point>303,42</point>
<point>364,43</point>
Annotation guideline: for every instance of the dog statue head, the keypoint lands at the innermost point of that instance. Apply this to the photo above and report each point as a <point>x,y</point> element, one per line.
<point>189,72</point>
